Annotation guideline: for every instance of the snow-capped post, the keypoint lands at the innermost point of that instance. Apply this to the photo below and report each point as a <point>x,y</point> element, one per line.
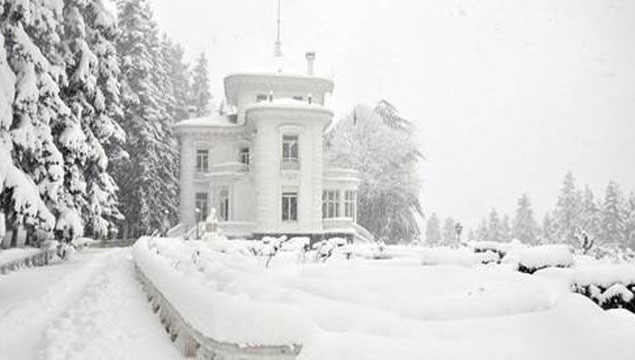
<point>198,219</point>
<point>310,59</point>
<point>270,96</point>
<point>458,228</point>
<point>310,98</point>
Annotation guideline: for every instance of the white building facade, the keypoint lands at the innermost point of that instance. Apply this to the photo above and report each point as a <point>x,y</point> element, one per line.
<point>262,168</point>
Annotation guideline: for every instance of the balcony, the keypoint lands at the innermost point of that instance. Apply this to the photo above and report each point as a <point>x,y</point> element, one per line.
<point>224,171</point>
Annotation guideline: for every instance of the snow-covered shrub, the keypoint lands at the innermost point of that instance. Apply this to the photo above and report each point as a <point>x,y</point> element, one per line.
<point>492,247</point>
<point>544,256</point>
<point>461,256</point>
<point>271,246</point>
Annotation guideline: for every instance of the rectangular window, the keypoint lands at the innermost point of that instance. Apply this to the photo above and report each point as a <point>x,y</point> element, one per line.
<point>349,204</point>
<point>244,155</point>
<point>201,209</point>
<point>224,204</point>
<point>330,204</point>
<point>202,160</point>
<point>298,98</point>
<point>261,98</point>
<point>289,206</point>
<point>290,148</point>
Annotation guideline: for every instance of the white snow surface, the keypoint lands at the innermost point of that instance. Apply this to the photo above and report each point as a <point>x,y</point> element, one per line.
<point>546,256</point>
<point>378,309</point>
<point>90,307</point>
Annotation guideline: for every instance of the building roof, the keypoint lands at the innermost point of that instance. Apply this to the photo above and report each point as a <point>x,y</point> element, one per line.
<point>220,121</point>
<point>275,81</point>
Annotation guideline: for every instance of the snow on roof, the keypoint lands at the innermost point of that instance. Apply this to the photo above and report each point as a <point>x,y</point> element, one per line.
<point>288,103</point>
<point>207,121</point>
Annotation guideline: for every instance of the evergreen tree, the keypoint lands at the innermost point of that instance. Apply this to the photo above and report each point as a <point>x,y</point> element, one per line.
<point>525,228</point>
<point>612,221</point>
<point>506,229</point>
<point>590,218</point>
<point>148,187</point>
<point>92,93</point>
<point>567,214</point>
<point>494,227</point>
<point>548,230</point>
<point>178,73</point>
<point>482,232</point>
<point>448,234</point>
<point>47,140</point>
<point>20,202</point>
<point>201,96</point>
<point>629,228</point>
<point>386,159</point>
<point>433,230</point>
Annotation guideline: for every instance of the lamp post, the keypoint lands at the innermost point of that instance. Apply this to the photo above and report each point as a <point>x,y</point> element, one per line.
<point>198,215</point>
<point>458,228</point>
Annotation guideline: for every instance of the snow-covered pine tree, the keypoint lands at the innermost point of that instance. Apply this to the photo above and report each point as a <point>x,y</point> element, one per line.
<point>494,227</point>
<point>47,139</point>
<point>525,227</point>
<point>590,216</point>
<point>433,230</point>
<point>178,72</point>
<point>20,202</point>
<point>567,213</point>
<point>482,232</point>
<point>200,96</point>
<point>168,167</point>
<point>386,159</point>
<point>629,226</point>
<point>612,220</point>
<point>548,231</point>
<point>506,229</point>
<point>92,93</point>
<point>148,188</point>
<point>448,234</point>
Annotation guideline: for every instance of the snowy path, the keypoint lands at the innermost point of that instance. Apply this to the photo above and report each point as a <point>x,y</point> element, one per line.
<point>90,307</point>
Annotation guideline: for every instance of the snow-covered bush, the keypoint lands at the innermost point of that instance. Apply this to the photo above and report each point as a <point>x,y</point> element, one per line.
<point>325,249</point>
<point>544,256</point>
<point>491,247</point>
<point>609,285</point>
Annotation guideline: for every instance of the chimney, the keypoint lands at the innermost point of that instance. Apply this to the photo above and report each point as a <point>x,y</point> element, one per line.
<point>310,58</point>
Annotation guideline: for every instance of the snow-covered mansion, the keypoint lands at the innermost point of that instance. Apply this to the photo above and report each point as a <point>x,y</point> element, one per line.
<point>262,168</point>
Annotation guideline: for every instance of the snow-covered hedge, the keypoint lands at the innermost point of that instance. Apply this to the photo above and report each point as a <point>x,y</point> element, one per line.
<point>611,286</point>
<point>461,256</point>
<point>544,256</point>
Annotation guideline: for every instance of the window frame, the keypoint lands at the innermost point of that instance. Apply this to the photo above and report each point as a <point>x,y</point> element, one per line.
<point>201,201</point>
<point>289,208</point>
<point>245,155</point>
<point>330,204</point>
<point>202,161</point>
<point>290,148</point>
<point>224,203</point>
<point>350,203</point>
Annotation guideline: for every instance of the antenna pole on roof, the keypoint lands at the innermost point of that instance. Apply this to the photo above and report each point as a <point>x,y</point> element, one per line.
<point>278,50</point>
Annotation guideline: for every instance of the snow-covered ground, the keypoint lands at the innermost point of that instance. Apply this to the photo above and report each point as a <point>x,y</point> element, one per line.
<point>377,309</point>
<point>90,307</point>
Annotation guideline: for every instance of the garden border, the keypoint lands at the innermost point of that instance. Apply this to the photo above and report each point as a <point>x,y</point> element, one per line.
<point>192,343</point>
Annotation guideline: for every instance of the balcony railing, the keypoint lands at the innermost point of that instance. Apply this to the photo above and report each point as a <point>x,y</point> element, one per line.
<point>341,173</point>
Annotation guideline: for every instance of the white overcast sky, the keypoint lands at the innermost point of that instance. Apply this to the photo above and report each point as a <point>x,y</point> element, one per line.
<point>507,95</point>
